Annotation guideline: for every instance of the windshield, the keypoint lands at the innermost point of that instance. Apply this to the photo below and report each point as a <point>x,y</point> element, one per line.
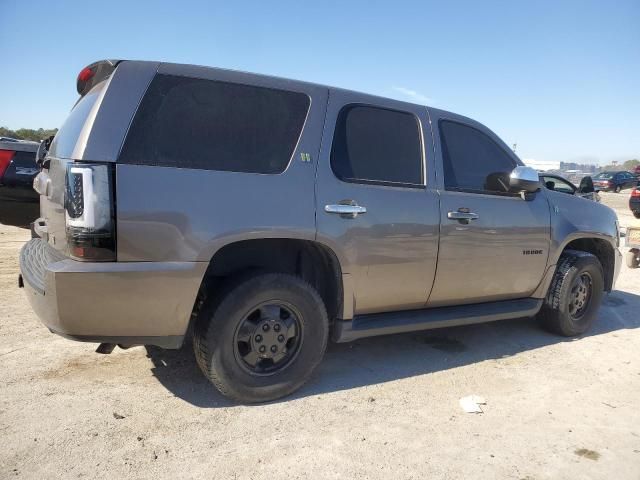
<point>604,175</point>
<point>66,138</point>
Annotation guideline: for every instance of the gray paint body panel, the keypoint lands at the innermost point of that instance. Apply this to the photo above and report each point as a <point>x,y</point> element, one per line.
<point>472,258</point>
<point>119,104</point>
<point>391,251</point>
<point>174,214</point>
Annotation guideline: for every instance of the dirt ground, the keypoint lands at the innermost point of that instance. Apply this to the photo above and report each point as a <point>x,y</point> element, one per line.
<point>377,408</point>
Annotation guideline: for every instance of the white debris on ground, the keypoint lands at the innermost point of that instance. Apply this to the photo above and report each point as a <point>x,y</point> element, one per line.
<point>471,403</point>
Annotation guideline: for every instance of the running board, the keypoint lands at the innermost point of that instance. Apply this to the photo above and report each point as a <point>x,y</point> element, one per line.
<point>413,320</point>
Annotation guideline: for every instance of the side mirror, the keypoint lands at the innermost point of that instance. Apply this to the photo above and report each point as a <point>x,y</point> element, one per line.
<point>586,185</point>
<point>524,179</point>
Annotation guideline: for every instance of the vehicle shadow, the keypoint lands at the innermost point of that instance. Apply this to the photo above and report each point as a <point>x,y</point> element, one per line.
<point>381,359</point>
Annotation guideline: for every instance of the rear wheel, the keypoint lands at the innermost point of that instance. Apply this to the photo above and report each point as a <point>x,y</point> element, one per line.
<point>575,294</point>
<point>263,338</point>
<point>617,189</point>
<point>636,214</point>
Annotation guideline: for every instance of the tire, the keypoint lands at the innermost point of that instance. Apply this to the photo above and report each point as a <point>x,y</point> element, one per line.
<point>228,327</point>
<point>636,214</point>
<point>560,313</point>
<point>617,189</point>
<point>632,258</point>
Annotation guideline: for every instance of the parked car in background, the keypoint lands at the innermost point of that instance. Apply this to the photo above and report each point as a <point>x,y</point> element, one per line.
<point>632,241</point>
<point>614,181</point>
<point>636,171</point>
<point>634,202</point>
<point>560,184</point>
<point>269,215</point>
<point>19,202</point>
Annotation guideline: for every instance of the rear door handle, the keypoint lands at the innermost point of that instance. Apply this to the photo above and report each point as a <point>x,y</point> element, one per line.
<point>462,216</point>
<point>346,210</point>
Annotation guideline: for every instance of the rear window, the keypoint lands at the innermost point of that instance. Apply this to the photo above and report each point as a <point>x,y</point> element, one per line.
<point>376,145</point>
<point>66,138</point>
<point>604,176</point>
<point>204,124</point>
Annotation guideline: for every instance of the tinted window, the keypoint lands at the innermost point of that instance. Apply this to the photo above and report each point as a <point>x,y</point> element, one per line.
<point>374,145</point>
<point>194,123</point>
<point>66,138</point>
<point>473,161</point>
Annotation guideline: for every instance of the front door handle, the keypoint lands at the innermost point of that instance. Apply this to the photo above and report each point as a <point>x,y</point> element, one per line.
<point>462,215</point>
<point>348,209</point>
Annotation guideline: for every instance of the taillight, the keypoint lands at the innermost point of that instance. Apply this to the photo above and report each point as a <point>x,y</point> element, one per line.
<point>5,159</point>
<point>89,212</point>
<point>82,82</point>
<point>635,192</point>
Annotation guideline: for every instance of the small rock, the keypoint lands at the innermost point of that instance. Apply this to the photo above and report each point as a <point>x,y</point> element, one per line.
<point>371,399</point>
<point>117,416</point>
<point>140,439</point>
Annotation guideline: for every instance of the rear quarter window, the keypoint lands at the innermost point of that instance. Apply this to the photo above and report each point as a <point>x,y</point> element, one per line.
<point>205,124</point>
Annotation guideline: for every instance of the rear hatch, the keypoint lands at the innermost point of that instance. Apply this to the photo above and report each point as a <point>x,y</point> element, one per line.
<point>66,148</point>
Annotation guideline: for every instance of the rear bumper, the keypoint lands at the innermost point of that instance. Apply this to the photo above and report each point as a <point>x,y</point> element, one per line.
<point>128,302</point>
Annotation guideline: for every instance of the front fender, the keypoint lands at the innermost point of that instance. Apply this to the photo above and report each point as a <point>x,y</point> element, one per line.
<point>573,218</point>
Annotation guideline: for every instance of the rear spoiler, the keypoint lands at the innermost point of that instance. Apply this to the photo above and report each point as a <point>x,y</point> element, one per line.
<point>93,74</point>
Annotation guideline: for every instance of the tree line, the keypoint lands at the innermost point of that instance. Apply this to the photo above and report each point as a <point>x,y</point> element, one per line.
<point>629,165</point>
<point>28,133</point>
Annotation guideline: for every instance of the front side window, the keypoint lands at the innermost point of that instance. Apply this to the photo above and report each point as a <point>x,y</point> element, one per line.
<point>205,124</point>
<point>473,162</point>
<point>376,145</point>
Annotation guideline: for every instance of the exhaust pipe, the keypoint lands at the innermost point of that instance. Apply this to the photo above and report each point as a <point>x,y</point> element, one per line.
<point>105,348</point>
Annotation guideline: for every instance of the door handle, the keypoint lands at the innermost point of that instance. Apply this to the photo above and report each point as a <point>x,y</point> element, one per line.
<point>346,210</point>
<point>462,215</point>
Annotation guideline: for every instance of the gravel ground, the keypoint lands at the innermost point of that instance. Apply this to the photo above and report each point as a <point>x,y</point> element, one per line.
<point>377,408</point>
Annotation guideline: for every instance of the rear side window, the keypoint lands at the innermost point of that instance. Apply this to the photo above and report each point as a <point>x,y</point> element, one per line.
<point>204,124</point>
<point>473,161</point>
<point>375,145</point>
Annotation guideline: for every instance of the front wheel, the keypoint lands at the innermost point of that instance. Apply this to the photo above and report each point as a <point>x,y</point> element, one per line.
<point>575,294</point>
<point>617,189</point>
<point>263,338</point>
<point>636,214</point>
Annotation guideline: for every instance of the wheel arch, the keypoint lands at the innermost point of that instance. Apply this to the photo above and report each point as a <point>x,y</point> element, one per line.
<point>313,261</point>
<point>600,245</point>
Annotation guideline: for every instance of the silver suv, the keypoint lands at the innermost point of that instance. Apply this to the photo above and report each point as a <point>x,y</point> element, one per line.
<point>267,215</point>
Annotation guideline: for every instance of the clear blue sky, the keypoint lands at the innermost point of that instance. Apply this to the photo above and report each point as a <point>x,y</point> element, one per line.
<point>560,78</point>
